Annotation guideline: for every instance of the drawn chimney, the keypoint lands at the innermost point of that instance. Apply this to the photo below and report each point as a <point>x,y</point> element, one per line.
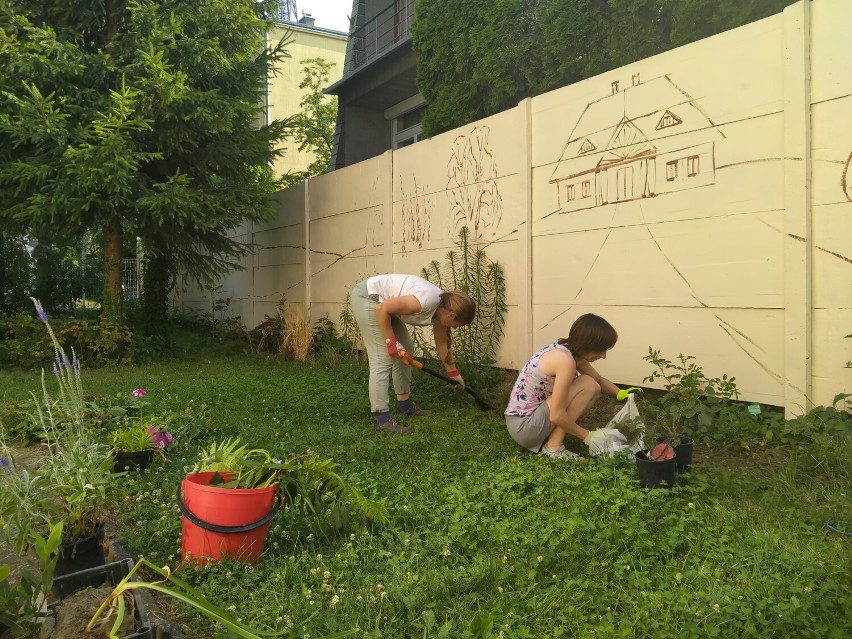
<point>615,87</point>
<point>307,19</point>
<point>635,79</point>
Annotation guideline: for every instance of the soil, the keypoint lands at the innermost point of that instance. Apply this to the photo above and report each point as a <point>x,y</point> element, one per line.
<point>72,615</point>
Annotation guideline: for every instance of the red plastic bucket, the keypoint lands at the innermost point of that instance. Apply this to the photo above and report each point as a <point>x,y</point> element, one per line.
<point>223,522</point>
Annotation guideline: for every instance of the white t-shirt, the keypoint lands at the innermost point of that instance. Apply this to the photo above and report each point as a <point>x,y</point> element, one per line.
<point>390,286</point>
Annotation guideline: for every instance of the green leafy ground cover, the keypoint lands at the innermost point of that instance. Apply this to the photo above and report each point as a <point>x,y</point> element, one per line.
<point>486,540</point>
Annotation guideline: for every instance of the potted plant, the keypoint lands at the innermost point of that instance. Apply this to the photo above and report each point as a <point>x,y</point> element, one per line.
<point>71,483</point>
<point>79,473</point>
<point>234,492</point>
<point>132,448</point>
<point>690,403</point>
<point>135,443</point>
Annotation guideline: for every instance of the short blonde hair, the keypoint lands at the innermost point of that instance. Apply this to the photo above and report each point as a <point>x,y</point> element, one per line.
<point>460,304</point>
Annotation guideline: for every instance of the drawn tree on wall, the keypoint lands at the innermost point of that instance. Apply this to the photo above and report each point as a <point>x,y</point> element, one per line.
<point>469,269</point>
<point>416,211</point>
<point>472,184</point>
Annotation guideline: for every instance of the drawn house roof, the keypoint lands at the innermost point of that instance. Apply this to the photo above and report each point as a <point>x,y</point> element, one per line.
<point>630,123</point>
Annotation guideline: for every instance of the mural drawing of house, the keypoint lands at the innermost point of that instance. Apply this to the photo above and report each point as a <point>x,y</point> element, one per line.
<point>631,144</point>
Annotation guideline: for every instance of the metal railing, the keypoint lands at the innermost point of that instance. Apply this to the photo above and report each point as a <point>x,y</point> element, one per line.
<point>390,27</point>
<point>92,278</point>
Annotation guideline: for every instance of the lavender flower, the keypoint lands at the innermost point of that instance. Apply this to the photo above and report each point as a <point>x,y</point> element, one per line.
<point>4,463</point>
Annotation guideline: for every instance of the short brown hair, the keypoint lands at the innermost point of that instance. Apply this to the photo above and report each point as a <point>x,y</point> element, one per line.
<point>590,334</point>
<point>460,304</point>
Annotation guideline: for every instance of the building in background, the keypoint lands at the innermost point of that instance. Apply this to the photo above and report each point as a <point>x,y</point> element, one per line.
<point>284,96</point>
<point>379,106</point>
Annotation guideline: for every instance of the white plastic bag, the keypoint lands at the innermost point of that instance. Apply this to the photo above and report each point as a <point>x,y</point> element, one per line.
<point>628,411</point>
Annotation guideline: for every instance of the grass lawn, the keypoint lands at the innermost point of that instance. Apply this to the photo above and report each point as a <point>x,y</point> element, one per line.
<point>486,540</point>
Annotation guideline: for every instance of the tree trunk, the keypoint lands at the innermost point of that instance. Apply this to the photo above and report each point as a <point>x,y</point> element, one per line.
<point>45,284</point>
<point>113,268</point>
<point>159,281</point>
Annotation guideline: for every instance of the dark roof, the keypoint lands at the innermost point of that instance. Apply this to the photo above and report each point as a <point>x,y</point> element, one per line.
<point>304,27</point>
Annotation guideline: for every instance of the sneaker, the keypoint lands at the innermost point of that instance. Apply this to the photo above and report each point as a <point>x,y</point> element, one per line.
<point>416,411</point>
<point>393,426</point>
<point>561,453</point>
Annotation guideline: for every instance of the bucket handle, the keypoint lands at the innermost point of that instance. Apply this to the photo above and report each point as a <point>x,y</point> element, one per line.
<point>228,529</point>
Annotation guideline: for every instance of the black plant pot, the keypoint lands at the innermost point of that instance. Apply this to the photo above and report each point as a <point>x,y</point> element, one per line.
<point>81,554</point>
<point>655,474</point>
<point>137,460</point>
<point>64,587</point>
<point>683,452</point>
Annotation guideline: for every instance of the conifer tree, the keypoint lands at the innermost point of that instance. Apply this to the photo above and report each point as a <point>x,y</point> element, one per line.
<point>142,117</point>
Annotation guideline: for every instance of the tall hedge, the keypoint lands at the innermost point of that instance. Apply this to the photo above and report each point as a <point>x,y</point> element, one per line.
<point>478,57</point>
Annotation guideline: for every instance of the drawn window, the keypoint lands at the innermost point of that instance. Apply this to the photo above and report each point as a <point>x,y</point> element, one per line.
<point>671,170</point>
<point>569,191</point>
<point>587,188</point>
<point>668,119</point>
<point>692,165</point>
<point>587,146</point>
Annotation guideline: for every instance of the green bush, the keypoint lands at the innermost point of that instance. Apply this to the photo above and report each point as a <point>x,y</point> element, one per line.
<point>24,341</point>
<point>95,343</point>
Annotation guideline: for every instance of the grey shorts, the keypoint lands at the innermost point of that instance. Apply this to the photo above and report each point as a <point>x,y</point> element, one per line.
<point>530,431</point>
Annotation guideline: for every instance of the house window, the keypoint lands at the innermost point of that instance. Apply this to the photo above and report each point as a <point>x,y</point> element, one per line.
<point>671,170</point>
<point>692,165</point>
<point>587,188</point>
<point>407,128</point>
<point>668,119</point>
<point>569,192</point>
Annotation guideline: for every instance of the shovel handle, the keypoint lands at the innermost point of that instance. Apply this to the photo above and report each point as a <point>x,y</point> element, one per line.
<point>408,359</point>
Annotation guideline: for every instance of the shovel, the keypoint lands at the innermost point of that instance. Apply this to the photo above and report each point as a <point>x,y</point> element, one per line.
<point>408,359</point>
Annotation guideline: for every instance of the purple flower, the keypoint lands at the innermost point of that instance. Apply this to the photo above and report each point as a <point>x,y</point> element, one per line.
<point>4,463</point>
<point>139,392</point>
<point>39,310</point>
<point>159,437</point>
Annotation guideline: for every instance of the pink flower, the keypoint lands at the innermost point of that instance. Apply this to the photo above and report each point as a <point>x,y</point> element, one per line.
<point>139,392</point>
<point>159,437</point>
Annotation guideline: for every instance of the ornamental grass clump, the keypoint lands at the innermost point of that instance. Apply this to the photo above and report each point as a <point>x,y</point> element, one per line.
<point>297,335</point>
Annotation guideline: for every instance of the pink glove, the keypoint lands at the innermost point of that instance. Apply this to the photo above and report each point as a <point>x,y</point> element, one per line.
<point>457,378</point>
<point>393,348</point>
